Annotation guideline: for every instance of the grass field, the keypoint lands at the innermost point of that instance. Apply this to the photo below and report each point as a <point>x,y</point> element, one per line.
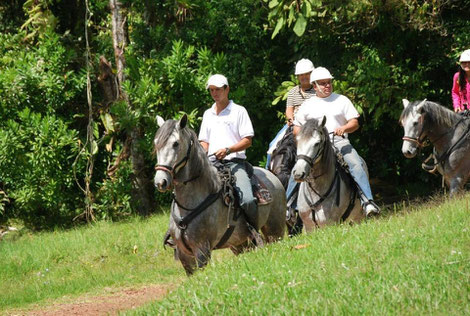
<point>40,268</point>
<point>411,260</point>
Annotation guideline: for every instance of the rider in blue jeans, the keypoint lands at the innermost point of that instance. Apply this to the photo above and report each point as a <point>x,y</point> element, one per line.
<point>341,119</point>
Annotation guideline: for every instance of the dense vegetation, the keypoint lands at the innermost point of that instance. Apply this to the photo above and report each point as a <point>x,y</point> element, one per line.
<point>64,158</point>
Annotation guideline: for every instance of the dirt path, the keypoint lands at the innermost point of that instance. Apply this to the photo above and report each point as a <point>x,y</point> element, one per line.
<point>108,304</point>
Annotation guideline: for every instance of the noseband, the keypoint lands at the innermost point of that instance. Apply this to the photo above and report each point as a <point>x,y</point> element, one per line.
<point>173,170</point>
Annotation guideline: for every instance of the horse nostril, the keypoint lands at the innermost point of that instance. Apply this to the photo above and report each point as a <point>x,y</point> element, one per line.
<point>162,185</point>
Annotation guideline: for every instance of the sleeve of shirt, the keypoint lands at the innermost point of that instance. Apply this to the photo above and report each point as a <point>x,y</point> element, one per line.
<point>456,92</point>
<point>290,98</point>
<point>204,132</point>
<point>245,126</point>
<point>349,110</point>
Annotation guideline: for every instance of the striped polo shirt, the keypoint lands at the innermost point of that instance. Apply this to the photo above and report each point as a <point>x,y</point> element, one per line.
<point>296,97</point>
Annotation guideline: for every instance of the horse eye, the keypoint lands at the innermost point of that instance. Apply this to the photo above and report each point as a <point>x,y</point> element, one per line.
<point>175,145</point>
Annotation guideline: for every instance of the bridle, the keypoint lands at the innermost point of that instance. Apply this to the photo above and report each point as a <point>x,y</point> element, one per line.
<point>177,167</point>
<point>419,141</point>
<point>309,160</point>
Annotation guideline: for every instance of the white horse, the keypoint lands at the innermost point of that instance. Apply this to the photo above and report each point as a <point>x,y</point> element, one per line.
<point>447,131</point>
<point>200,220</point>
<point>327,194</point>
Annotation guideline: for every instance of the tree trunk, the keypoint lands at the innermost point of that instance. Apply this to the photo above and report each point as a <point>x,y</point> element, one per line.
<point>143,189</point>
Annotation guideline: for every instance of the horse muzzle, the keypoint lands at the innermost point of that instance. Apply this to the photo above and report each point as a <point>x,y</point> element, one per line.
<point>163,179</point>
<point>409,150</point>
<point>300,171</point>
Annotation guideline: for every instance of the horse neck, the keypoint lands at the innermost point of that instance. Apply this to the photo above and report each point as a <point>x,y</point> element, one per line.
<point>323,172</point>
<point>193,192</point>
<point>441,134</point>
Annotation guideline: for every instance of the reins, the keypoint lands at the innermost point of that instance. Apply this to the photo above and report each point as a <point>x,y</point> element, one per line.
<point>334,183</point>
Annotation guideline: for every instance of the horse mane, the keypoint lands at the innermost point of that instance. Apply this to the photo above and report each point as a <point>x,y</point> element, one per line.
<point>287,149</point>
<point>437,113</point>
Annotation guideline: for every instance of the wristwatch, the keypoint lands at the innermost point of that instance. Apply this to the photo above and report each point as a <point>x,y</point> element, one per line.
<point>227,151</point>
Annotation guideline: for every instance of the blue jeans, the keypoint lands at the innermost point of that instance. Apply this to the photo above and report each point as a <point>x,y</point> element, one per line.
<point>292,188</point>
<point>244,191</point>
<point>356,167</point>
<point>278,137</point>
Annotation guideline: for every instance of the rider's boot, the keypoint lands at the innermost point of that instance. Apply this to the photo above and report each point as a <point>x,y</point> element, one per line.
<point>371,209</point>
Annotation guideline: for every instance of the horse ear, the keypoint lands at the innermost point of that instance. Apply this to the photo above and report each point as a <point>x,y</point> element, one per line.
<point>160,120</point>
<point>419,107</point>
<point>183,121</point>
<point>405,103</point>
<point>323,121</point>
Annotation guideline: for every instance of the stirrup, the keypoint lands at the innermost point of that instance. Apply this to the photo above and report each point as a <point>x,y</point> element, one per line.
<point>257,240</point>
<point>431,168</point>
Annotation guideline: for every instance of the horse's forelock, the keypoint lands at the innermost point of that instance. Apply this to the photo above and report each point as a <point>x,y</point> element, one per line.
<point>163,133</point>
<point>307,130</point>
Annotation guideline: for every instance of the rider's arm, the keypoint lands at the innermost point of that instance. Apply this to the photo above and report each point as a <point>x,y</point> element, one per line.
<point>296,130</point>
<point>204,145</point>
<point>351,126</point>
<point>289,114</point>
<point>243,144</point>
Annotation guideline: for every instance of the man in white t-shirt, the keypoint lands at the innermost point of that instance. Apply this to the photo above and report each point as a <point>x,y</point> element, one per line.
<point>341,119</point>
<point>226,132</point>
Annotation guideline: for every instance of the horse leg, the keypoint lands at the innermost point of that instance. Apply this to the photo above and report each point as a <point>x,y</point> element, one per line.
<point>307,219</point>
<point>456,185</point>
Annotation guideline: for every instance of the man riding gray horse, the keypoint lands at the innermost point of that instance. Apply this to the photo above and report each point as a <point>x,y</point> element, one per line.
<point>341,119</point>
<point>226,132</point>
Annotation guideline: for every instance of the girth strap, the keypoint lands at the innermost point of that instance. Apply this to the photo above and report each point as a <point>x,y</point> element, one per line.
<point>182,223</point>
<point>323,197</point>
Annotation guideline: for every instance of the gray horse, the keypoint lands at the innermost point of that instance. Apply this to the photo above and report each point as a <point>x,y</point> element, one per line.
<point>200,218</point>
<point>447,131</point>
<point>327,194</point>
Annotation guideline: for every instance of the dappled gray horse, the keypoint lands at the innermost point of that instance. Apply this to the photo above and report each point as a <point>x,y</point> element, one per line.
<point>327,194</point>
<point>447,131</point>
<point>200,219</point>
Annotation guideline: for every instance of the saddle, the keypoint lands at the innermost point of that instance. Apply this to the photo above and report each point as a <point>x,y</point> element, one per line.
<point>260,191</point>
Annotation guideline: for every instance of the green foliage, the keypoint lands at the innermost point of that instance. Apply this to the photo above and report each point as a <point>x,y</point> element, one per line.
<point>36,157</point>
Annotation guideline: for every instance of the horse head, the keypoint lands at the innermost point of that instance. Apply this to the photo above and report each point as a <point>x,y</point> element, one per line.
<point>311,142</point>
<point>412,120</point>
<point>172,149</point>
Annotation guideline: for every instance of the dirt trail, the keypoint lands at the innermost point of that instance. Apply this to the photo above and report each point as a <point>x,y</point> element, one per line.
<point>110,304</point>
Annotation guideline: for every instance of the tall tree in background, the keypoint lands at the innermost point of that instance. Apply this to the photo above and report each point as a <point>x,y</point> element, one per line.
<point>143,189</point>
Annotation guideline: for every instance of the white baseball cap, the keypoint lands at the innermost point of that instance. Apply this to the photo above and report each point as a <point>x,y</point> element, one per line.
<point>465,55</point>
<point>303,66</point>
<point>320,73</point>
<point>217,80</point>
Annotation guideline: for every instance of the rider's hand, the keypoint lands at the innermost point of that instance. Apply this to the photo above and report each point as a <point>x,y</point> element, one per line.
<point>339,131</point>
<point>457,110</point>
<point>221,153</point>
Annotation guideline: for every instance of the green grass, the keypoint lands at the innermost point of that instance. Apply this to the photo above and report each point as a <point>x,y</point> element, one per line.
<point>416,261</point>
<point>40,268</point>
